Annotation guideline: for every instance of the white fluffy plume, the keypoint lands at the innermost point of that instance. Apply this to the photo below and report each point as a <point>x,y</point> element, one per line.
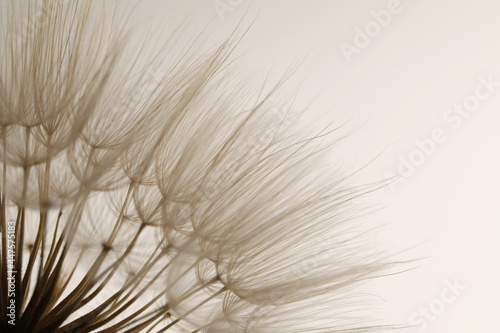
<point>179,204</point>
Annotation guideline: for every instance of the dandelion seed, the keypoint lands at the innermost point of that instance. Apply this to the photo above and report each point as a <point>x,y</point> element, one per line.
<point>183,207</point>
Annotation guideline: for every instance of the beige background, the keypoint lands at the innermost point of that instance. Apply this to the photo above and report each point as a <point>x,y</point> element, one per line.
<point>395,91</point>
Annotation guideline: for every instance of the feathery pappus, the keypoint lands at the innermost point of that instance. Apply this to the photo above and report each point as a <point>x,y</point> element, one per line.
<point>184,207</point>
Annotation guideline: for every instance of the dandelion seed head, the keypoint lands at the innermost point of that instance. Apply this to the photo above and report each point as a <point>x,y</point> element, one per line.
<point>152,189</point>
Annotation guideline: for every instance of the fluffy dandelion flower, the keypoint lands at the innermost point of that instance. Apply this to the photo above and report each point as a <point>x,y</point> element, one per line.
<point>184,207</point>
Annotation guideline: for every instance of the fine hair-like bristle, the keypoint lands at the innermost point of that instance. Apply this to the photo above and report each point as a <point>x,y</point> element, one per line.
<point>189,206</point>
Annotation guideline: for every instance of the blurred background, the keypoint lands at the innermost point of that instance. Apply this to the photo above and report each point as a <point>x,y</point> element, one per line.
<point>418,83</point>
